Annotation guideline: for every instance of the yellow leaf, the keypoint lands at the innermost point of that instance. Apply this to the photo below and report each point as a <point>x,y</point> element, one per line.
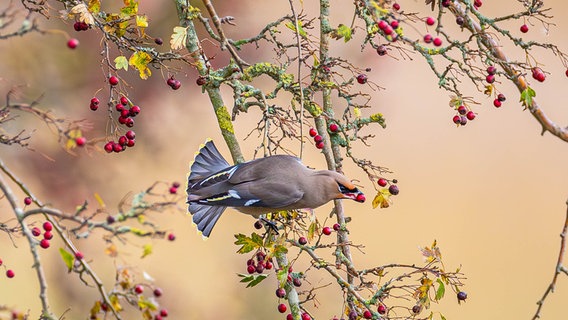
<point>140,60</point>
<point>120,62</point>
<point>84,14</point>
<point>382,199</point>
<point>177,40</point>
<point>94,6</point>
<point>99,200</point>
<point>111,250</point>
<point>488,90</point>
<point>147,250</point>
<point>357,112</point>
<point>142,21</point>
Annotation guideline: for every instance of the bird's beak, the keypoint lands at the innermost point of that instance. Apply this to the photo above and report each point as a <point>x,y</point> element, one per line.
<point>354,194</point>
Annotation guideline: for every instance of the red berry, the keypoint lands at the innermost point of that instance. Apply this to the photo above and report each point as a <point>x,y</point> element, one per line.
<point>477,3</point>
<point>430,21</point>
<point>381,309</point>
<point>428,38</point>
<point>47,226</point>
<point>463,120</point>
<point>396,6</point>
<point>280,292</point>
<point>540,77</point>
<point>282,308</point>
<point>566,72</point>
<point>306,316</point>
<point>319,145</point>
<point>80,141</point>
<point>123,100</point>
<point>326,231</point>
<point>462,110</point>
<point>113,81</point>
<point>124,113</point>
<point>10,273</point>
<point>158,292</point>
<point>109,146</point>
<point>251,269</point>
<point>456,119</point>
<point>134,110</point>
<point>122,140</point>
<point>388,31</point>
<point>302,240</point>
<point>382,182</point>
<point>94,103</point>
<point>130,135</point>
<point>490,78</point>
<point>158,317</point>
<point>394,24</point>
<point>313,132</point>
<point>524,28</point>
<point>129,122</point>
<point>176,85</point>
<point>362,78</point>
<point>173,190</point>
<point>383,24</point>
<point>336,226</point>
<point>496,103</point>
<point>36,231</point>
<point>367,314</point>
<point>393,189</point>
<point>27,201</point>
<point>44,243</point>
<point>268,265</point>
<point>79,255</point>
<point>138,289</point>
<point>297,282</point>
<point>437,42</point>
<point>318,138</point>
<point>289,317</point>
<point>119,107</point>
<point>333,127</point>
<point>470,115</point>
<point>131,143</point>
<point>48,235</point>
<point>117,147</point>
<point>0,262</point>
<point>360,198</point>
<point>72,43</point>
<point>491,70</point>
<point>164,313</point>
<point>201,81</point>
<point>171,237</point>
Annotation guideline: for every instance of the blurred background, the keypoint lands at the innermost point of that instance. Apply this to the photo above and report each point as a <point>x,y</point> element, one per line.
<point>492,193</point>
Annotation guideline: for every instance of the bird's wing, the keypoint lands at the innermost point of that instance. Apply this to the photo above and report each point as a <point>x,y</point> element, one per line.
<point>207,162</point>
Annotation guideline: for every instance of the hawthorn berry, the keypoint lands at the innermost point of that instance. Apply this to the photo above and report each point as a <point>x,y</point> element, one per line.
<point>456,119</point>
<point>158,317</point>
<point>176,184</point>
<point>27,201</point>
<point>463,120</point>
<point>477,3</point>
<point>77,26</point>
<point>251,269</point>
<point>10,273</point>
<point>381,309</point>
<point>138,289</point>
<point>501,97</point>
<point>80,141</point>
<point>566,72</point>
<point>382,182</point>
<point>176,85</point>
<point>158,292</point>
<point>48,235</point>
<point>171,237</point>
<point>44,243</point>
<point>258,224</point>
<point>268,265</point>
<point>123,100</point>
<point>462,296</point>
<point>158,41</point>
<point>134,111</point>
<point>320,145</point>
<point>201,81</point>
<point>470,115</point>
<point>446,3</point>
<point>381,50</point>
<point>282,308</point>
<point>36,231</point>
<point>250,261</point>
<point>280,292</point>
<point>164,313</point>
<point>47,226</point>
<point>462,110</point>
<point>130,135</point>
<point>109,146</point>
<point>416,309</point>
<point>428,38</point>
<point>173,190</point>
<point>336,226</point>
<point>524,28</point>
<point>394,24</point>
<point>129,122</point>
<point>318,138</point>
<point>306,316</point>
<point>79,255</point>
<point>490,78</point>
<point>302,240</point>
<point>110,219</point>
<point>326,231</point>
<point>333,127</point>
<point>360,198</point>
<point>119,107</point>
<point>122,140</point>
<point>113,81</point>
<point>437,42</point>
<point>171,80</point>
<point>388,30</point>
<point>124,113</point>
<point>116,147</point>
<point>460,20</point>
<point>367,314</point>
<point>491,70</point>
<point>313,132</point>
<point>1,262</point>
<point>94,103</point>
<point>289,317</point>
<point>362,78</point>
<point>382,24</point>
<point>430,21</point>
<point>393,189</point>
<point>497,103</point>
<point>537,74</point>
<point>396,6</point>
<point>72,43</point>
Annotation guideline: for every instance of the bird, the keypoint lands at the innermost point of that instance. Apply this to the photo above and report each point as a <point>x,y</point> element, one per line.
<point>260,186</point>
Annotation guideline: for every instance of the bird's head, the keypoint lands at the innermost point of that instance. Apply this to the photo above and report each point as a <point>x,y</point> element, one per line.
<point>349,191</point>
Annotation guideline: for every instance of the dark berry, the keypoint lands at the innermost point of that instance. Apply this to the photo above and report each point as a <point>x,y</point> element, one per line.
<point>393,189</point>
<point>437,42</point>
<point>201,81</point>
<point>566,72</point>
<point>77,26</point>
<point>360,198</point>
<point>44,243</point>
<point>158,292</point>
<point>27,201</point>
<point>134,111</point>
<point>333,127</point>
<point>446,3</point>
<point>79,255</point>
<point>490,78</point>
<point>110,219</point>
<point>36,231</point>
<point>171,237</point>
<point>280,292</point>
<point>113,81</point>
<point>497,103</point>
<point>10,273</point>
<point>313,132</point>
<point>336,226</point>
<point>258,224</point>
<point>80,141</point>
<point>47,226</point>
<point>158,41</point>
<point>460,20</point>
<point>176,85</point>
<point>138,289</point>
<point>268,265</point>
<point>171,80</point>
<point>381,309</point>
<point>524,28</point>
<point>463,120</point>
<point>396,6</point>
<point>282,308</point>
<point>367,314</point>
<point>462,110</point>
<point>470,115</point>
<point>501,97</point>
<point>394,181</point>
<point>302,240</point>
<point>428,38</point>
<point>326,231</point>
<point>491,70</point>
<point>48,235</point>
<point>250,261</point>
<point>297,282</point>
<point>430,21</point>
<point>456,119</point>
<point>362,78</point>
<point>381,50</point>
<point>462,295</point>
<point>72,43</point>
<point>260,268</point>
<point>251,269</point>
<point>123,100</point>
<point>416,309</point>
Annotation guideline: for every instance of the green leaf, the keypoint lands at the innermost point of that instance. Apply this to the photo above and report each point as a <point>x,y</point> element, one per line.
<point>147,250</point>
<point>177,40</point>
<point>282,276</point>
<point>140,60</point>
<point>120,62</point>
<point>527,97</point>
<point>94,6</point>
<point>441,290</point>
<point>312,230</point>
<point>248,243</point>
<point>301,31</point>
<point>144,303</point>
<point>252,280</point>
<point>442,317</point>
<point>342,31</point>
<point>130,7</point>
<point>68,258</point>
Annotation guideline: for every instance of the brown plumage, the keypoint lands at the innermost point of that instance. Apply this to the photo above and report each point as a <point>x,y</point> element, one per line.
<point>260,186</point>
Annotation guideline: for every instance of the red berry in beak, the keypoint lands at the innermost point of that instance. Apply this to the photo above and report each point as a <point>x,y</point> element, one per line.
<point>360,198</point>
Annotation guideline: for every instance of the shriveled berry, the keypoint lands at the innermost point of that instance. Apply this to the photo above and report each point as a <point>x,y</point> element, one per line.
<point>416,309</point>
<point>367,314</point>
<point>320,145</point>
<point>463,120</point>
<point>430,21</point>
<point>360,198</point>
<point>501,97</point>
<point>79,255</point>
<point>158,292</point>
<point>44,243</point>
<point>326,231</point>
<point>251,269</point>
<point>491,70</point>
<point>171,237</point>
<point>158,41</point>
<point>280,292</point>
<point>282,308</point>
<point>48,235</point>
<point>381,309</point>
<point>333,127</point>
<point>393,189</point>
<point>381,50</point>
<point>456,119</point>
<point>382,182</point>
<point>524,28</point>
<point>462,295</point>
<point>362,78</point>
<point>336,226</point>
<point>437,42</point>
<point>72,43</point>
<point>80,141</point>
<point>396,6</point>
<point>138,289</point>
<point>36,231</point>
<point>462,110</point>
<point>10,273</point>
<point>47,226</point>
<point>497,103</point>
<point>428,38</point>
<point>490,78</point>
<point>470,115</point>
<point>113,81</point>
<point>302,240</point>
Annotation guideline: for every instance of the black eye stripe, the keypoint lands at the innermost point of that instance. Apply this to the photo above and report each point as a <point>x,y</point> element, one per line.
<point>344,189</point>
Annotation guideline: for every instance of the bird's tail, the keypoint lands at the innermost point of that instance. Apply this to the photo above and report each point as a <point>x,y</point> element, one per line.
<point>205,217</point>
<point>207,161</point>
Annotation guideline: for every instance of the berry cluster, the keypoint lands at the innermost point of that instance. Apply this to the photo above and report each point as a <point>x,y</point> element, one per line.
<point>393,187</point>
<point>499,100</point>
<point>261,263</point>
<point>173,83</point>
<point>317,138</point>
<point>47,235</point>
<point>463,115</point>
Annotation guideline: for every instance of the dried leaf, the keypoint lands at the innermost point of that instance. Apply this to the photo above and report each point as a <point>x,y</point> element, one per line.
<point>121,62</point>
<point>178,38</point>
<point>84,14</point>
